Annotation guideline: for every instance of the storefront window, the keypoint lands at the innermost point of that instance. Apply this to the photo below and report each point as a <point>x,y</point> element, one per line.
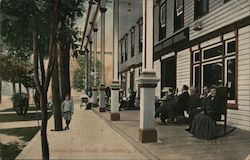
<point>217,66</point>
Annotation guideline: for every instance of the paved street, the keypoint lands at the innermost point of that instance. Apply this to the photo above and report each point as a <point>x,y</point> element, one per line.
<point>89,137</point>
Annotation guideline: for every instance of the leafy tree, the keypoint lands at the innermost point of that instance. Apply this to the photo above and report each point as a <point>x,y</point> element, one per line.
<point>36,29</point>
<point>79,75</point>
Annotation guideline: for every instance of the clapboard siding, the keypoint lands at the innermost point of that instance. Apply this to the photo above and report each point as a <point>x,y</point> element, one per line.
<point>183,68</point>
<point>157,69</point>
<point>241,118</point>
<point>223,15</point>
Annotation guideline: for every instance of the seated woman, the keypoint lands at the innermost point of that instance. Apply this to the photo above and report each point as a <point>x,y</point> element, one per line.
<point>204,123</point>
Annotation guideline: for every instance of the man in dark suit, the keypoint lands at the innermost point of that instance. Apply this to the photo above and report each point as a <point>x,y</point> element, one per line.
<point>176,107</point>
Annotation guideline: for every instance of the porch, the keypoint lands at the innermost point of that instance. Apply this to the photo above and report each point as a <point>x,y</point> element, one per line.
<point>175,143</point>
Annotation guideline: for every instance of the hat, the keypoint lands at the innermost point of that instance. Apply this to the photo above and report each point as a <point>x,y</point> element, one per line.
<point>165,89</point>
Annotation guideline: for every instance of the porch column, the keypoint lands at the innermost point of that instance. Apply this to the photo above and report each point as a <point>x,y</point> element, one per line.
<point>94,88</point>
<point>102,104</point>
<point>90,62</point>
<point>87,70</point>
<point>115,115</point>
<point>147,80</point>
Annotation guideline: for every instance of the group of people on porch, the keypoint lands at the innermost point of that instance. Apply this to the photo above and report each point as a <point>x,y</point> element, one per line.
<point>203,110</point>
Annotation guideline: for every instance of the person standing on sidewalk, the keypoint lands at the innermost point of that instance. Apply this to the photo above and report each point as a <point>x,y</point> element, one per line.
<point>67,109</point>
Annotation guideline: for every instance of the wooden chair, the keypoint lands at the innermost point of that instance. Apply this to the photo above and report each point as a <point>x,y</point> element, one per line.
<point>222,96</point>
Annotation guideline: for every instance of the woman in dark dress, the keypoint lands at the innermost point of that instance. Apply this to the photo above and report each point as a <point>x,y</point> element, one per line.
<point>204,123</point>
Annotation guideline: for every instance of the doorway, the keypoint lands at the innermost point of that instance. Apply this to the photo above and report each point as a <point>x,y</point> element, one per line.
<point>168,73</point>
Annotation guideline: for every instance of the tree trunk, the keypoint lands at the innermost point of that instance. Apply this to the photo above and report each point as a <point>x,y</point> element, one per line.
<point>43,87</point>
<point>28,91</point>
<point>20,87</point>
<point>45,145</point>
<point>14,88</point>
<point>56,99</point>
<point>64,59</point>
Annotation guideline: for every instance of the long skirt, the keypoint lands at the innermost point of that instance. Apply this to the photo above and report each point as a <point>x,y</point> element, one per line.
<point>203,127</point>
<point>67,115</point>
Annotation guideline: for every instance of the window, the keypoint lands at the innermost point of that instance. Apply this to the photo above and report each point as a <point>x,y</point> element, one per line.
<point>132,42</point>
<point>140,37</point>
<point>200,8</point>
<point>126,47</point>
<point>212,52</point>
<point>196,77</point>
<point>163,15</point>
<point>230,47</point>
<point>230,78</point>
<point>179,15</point>
<point>216,65</point>
<point>162,25</point>
<point>197,56</point>
<point>212,74</point>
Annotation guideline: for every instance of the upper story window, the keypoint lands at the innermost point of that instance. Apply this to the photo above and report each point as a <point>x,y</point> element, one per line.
<point>140,23</point>
<point>179,15</point>
<point>163,15</point>
<point>126,46</point>
<point>132,42</point>
<point>200,8</point>
<point>162,20</point>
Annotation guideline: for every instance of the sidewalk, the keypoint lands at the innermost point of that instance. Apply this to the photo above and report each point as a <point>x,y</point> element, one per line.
<point>174,143</point>
<point>89,137</point>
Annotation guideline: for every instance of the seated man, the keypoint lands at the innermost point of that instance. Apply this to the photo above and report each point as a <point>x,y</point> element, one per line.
<point>175,107</point>
<point>193,105</point>
<point>130,102</point>
<point>167,98</point>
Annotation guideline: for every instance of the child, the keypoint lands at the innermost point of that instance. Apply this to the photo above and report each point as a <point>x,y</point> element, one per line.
<point>90,102</point>
<point>67,109</point>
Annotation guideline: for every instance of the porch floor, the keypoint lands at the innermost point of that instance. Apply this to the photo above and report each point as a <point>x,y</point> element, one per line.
<point>175,143</point>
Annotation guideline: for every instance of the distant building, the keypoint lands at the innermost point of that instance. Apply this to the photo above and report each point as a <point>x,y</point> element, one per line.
<point>197,43</point>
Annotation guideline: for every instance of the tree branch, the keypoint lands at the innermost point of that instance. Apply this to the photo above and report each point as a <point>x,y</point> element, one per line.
<point>52,46</point>
<point>42,69</point>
